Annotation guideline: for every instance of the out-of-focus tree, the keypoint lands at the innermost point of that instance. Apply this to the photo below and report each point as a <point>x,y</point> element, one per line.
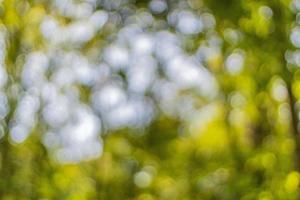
<point>159,99</point>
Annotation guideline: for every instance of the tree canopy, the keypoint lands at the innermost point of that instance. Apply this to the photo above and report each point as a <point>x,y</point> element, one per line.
<point>149,99</point>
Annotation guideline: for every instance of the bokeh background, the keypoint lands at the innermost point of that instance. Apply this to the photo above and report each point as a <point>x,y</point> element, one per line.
<point>149,99</point>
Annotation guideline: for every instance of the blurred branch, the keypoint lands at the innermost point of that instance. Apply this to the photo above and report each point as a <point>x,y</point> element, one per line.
<point>294,123</point>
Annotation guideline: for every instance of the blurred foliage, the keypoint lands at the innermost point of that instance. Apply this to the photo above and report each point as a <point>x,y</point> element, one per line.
<point>250,149</point>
